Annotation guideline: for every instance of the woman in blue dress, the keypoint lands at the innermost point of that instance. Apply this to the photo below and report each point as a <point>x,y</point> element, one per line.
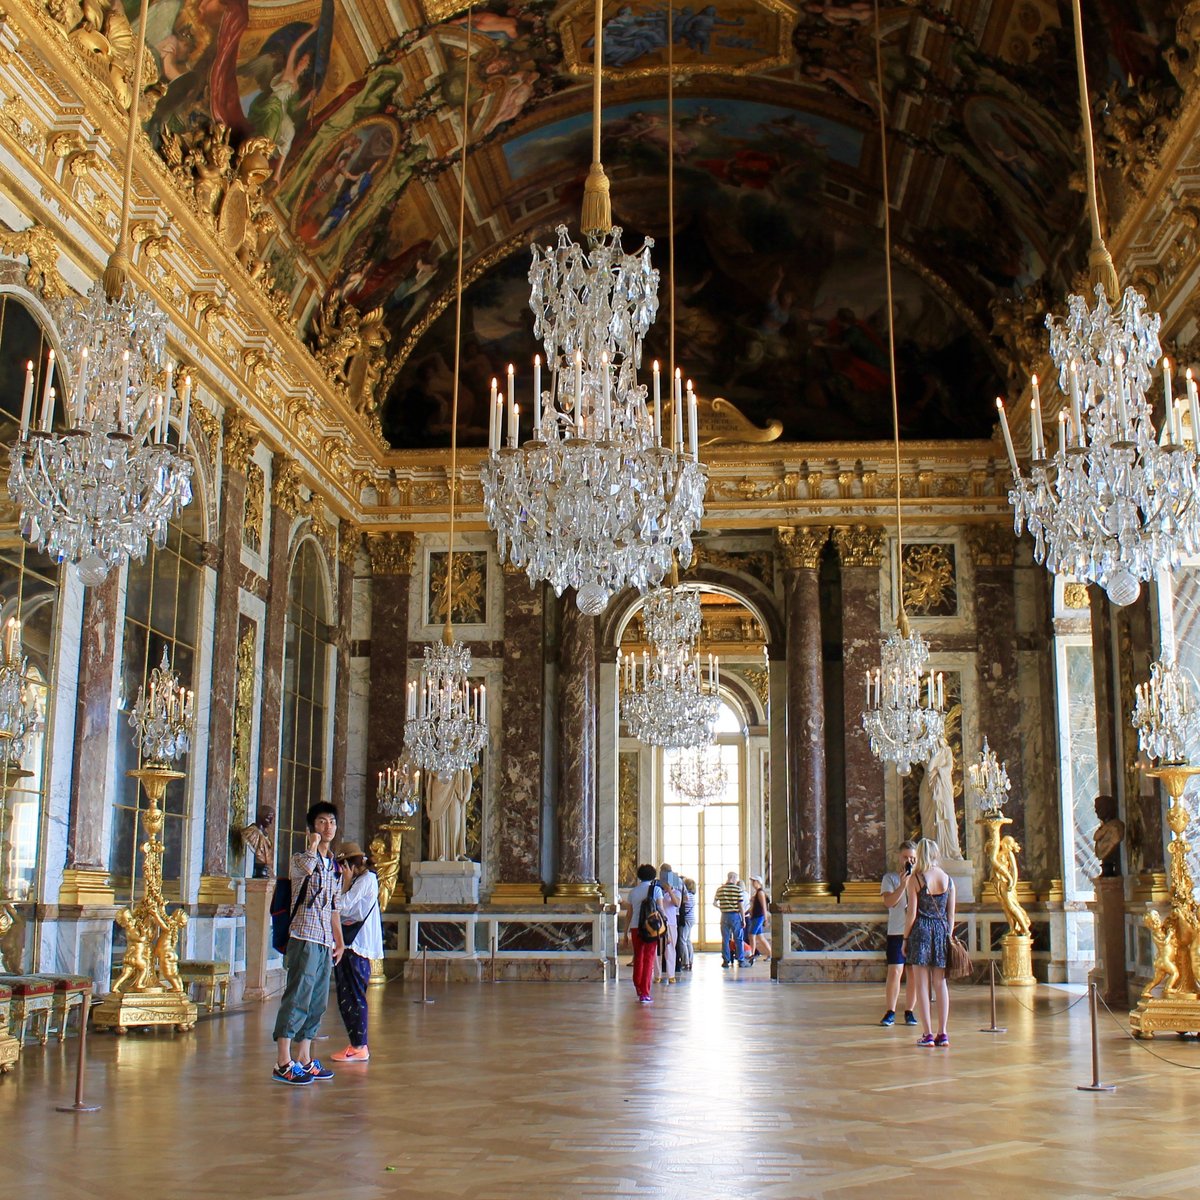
<point>927,939</point>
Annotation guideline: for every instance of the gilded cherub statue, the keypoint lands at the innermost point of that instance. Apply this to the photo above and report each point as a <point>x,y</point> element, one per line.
<point>1166,951</point>
<point>135,964</point>
<point>166,950</point>
<point>1002,852</point>
<point>385,853</point>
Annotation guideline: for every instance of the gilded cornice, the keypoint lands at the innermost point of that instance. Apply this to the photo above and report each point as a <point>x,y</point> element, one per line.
<point>801,546</point>
<point>287,487</point>
<point>859,545</point>
<point>39,247</point>
<point>391,553</point>
<point>241,436</point>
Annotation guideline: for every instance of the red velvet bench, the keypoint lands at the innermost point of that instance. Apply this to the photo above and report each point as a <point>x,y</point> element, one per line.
<point>31,1005</point>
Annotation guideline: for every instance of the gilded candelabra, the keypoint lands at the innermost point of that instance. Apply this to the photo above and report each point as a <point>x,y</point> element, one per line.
<point>1176,934</point>
<point>149,990</point>
<point>398,797</point>
<point>11,773</point>
<point>1017,944</point>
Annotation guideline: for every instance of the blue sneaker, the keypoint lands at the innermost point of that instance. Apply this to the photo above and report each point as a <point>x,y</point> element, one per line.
<point>314,1070</point>
<point>293,1073</point>
<point>889,1018</point>
<point>909,1018</point>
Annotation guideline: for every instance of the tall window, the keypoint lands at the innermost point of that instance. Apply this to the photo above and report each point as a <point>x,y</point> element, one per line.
<point>162,612</point>
<point>29,592</point>
<point>705,844</point>
<point>305,686</point>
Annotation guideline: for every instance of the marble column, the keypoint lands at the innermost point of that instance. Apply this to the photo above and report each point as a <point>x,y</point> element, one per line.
<point>392,556</point>
<point>85,881</point>
<point>518,834</point>
<point>348,541</point>
<point>575,877</point>
<point>800,551</point>
<point>285,507</point>
<point>241,434</point>
<point>998,704</point>
<point>860,548</point>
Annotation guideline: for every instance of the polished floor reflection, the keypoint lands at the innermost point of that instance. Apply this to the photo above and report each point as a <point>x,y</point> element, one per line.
<point>726,1087</point>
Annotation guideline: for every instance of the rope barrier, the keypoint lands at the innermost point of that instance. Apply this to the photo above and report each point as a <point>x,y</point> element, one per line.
<point>1054,1012</point>
<point>1141,1042</point>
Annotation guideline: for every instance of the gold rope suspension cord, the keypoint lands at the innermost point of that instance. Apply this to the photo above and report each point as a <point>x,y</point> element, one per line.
<point>596,219</point>
<point>448,631</point>
<point>901,618</point>
<point>671,202</point>
<point>117,270</point>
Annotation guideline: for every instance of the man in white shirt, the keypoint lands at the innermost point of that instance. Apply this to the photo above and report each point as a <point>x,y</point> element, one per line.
<point>892,889</point>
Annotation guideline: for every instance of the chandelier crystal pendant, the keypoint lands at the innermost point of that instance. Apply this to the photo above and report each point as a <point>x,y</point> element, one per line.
<point>163,717</point>
<point>20,712</point>
<point>597,499</point>
<point>699,775</point>
<point>446,724</point>
<point>670,698</point>
<point>1114,503</point>
<point>98,493</point>
<point>989,779</point>
<point>904,718</point>
<point>1165,712</point>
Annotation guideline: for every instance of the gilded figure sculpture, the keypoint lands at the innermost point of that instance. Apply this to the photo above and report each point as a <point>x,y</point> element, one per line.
<point>100,31</point>
<point>385,853</point>
<point>166,950</point>
<point>1002,853</point>
<point>1166,950</point>
<point>351,347</point>
<point>135,964</point>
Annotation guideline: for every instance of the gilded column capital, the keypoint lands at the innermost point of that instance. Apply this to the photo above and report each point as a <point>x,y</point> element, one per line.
<point>801,545</point>
<point>391,553</point>
<point>241,436</point>
<point>349,540</point>
<point>287,487</point>
<point>859,545</point>
<point>991,545</point>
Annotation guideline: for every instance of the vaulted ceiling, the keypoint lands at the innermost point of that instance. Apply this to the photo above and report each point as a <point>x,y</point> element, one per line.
<point>779,280</point>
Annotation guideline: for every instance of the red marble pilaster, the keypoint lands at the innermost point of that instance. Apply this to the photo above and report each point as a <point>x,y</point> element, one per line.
<point>347,552</point>
<point>800,551</point>
<point>240,437</point>
<point>518,834</point>
<point>96,706</point>
<point>860,549</point>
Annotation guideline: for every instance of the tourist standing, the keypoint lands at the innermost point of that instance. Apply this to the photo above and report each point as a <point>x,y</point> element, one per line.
<point>362,933</point>
<point>756,920</point>
<point>893,889</point>
<point>314,946</point>
<point>731,900</point>
<point>672,886</point>
<point>644,898</point>
<point>687,921</point>
<point>930,920</point>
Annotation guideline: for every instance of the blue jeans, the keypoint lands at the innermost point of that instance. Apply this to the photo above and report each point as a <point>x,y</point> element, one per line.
<point>731,932</point>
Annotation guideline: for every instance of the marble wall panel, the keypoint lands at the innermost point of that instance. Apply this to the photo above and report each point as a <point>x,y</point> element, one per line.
<point>577,746</point>
<point>553,937</point>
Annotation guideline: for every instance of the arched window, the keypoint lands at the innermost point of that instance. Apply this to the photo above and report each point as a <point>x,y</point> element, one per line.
<point>162,612</point>
<point>306,663</point>
<point>29,592</point>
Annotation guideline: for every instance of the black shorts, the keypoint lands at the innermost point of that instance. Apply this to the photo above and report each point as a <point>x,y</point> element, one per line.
<point>895,949</point>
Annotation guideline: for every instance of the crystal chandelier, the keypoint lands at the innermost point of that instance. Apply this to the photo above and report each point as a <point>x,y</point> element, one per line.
<point>903,717</point>
<point>163,718</point>
<point>596,499</point>
<point>671,614</point>
<point>399,788</point>
<point>699,775</point>
<point>96,494</point>
<point>20,712</point>
<point>1114,503</point>
<point>447,716</point>
<point>989,779</point>
<point>671,699</point>
<point>1164,712</point>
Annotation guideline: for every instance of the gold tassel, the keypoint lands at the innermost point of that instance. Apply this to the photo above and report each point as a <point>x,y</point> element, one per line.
<point>116,272</point>
<point>597,204</point>
<point>1102,270</point>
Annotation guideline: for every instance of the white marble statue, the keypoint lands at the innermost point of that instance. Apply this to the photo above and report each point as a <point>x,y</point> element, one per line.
<point>938,820</point>
<point>446,808</point>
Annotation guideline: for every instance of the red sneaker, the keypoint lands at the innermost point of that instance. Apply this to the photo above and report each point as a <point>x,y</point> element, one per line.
<point>350,1054</point>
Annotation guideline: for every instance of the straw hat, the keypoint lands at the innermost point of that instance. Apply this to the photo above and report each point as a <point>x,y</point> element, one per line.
<point>350,850</point>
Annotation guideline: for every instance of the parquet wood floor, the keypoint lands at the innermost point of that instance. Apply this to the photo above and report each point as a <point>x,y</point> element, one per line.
<point>725,1088</point>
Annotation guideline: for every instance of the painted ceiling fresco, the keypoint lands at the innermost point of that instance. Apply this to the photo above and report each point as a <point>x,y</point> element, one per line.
<point>780,265</point>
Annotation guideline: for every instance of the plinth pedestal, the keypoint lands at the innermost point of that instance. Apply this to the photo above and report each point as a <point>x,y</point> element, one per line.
<point>455,884</point>
<point>258,936</point>
<point>962,871</point>
<point>121,1011</point>
<point>1110,940</point>
<point>1166,1014</point>
<point>10,1051</point>
<point>1017,965</point>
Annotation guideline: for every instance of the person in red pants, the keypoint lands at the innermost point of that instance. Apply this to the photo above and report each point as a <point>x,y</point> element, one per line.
<point>644,898</point>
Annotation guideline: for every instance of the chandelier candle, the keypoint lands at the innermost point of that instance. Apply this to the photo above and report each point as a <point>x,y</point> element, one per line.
<point>1165,712</point>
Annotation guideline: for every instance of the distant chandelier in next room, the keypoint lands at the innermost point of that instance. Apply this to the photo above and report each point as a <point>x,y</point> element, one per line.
<point>597,499</point>
<point>699,775</point>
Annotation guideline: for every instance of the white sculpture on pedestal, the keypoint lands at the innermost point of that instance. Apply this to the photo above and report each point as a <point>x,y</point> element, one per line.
<point>936,797</point>
<point>446,808</point>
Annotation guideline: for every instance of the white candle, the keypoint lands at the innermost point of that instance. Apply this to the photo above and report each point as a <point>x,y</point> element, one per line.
<point>27,399</point>
<point>929,689</point>
<point>48,394</point>
<point>80,379</point>
<point>1168,397</point>
<point>868,689</point>
<point>1178,408</point>
<point>1062,432</point>
<point>187,411</point>
<point>657,406</point>
<point>1076,406</point>
<point>482,702</point>
<point>123,394</point>
<point>941,696</point>
<point>514,432</point>
<point>1035,451</point>
<point>1194,409</point>
<point>677,413</point>
<point>1008,445</point>
<point>537,396</point>
<point>692,432</point>
<point>493,429</point>
<point>1036,418</point>
<point>511,374</point>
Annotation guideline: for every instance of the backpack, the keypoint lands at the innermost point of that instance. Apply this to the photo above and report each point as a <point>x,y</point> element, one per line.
<point>651,923</point>
<point>283,910</point>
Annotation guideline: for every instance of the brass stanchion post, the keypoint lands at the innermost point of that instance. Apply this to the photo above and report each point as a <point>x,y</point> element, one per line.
<point>424,977</point>
<point>1095,1085</point>
<point>81,1062</point>
<point>993,1027</point>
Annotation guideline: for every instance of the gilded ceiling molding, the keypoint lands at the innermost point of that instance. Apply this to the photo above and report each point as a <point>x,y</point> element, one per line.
<point>241,436</point>
<point>859,545</point>
<point>209,424</point>
<point>39,247</point>
<point>287,487</point>
<point>991,545</point>
<point>391,553</point>
<point>800,546</point>
<point>71,147</point>
<point>1075,595</point>
<point>350,538</point>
